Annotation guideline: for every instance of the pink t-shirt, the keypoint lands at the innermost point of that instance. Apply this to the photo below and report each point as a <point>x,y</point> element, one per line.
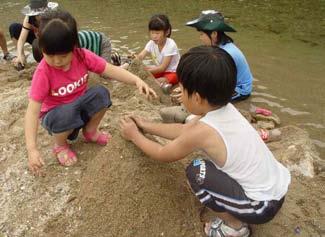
<point>53,87</point>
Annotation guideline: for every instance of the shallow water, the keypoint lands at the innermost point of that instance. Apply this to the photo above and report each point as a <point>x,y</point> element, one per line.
<point>284,42</point>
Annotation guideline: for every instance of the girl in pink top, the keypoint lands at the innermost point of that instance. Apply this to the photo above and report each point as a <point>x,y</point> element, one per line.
<point>60,97</point>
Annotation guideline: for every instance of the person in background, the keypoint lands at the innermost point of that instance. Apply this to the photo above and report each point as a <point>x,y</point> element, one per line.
<point>28,31</point>
<point>163,50</point>
<point>212,27</point>
<point>96,42</point>
<point>3,44</point>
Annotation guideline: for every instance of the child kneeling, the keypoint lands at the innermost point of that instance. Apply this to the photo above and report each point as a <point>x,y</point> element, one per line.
<point>239,179</point>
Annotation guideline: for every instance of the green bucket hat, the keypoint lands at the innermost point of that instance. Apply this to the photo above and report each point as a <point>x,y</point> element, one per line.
<point>210,20</point>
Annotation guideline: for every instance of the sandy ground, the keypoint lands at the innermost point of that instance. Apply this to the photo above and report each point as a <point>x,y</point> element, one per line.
<point>117,191</point>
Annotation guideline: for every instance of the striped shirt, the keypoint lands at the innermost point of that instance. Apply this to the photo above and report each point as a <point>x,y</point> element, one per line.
<point>90,40</point>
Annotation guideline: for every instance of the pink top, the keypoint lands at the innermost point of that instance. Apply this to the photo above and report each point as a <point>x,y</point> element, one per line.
<point>53,87</point>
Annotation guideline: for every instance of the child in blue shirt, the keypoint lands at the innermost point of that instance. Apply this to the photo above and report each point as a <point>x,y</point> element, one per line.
<point>212,30</point>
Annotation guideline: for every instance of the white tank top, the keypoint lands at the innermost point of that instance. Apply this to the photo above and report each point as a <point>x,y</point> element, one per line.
<point>249,161</point>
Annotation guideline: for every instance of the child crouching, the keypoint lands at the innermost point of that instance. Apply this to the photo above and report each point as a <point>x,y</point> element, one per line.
<point>239,178</point>
<point>60,97</point>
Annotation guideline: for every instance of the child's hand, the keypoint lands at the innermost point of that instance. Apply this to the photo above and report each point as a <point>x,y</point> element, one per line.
<point>35,162</point>
<point>140,122</point>
<point>128,128</point>
<point>177,94</point>
<point>145,89</point>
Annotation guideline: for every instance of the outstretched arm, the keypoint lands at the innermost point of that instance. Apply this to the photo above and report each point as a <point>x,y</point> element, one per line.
<point>177,149</point>
<point>122,75</point>
<point>165,130</point>
<point>21,42</point>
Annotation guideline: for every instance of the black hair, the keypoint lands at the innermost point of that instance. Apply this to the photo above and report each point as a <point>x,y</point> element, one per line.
<point>33,21</point>
<point>222,38</point>
<point>209,71</point>
<point>160,22</point>
<point>58,32</point>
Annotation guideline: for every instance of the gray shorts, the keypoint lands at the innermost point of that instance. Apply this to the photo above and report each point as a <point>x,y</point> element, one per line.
<point>106,48</point>
<point>76,115</point>
<point>221,193</point>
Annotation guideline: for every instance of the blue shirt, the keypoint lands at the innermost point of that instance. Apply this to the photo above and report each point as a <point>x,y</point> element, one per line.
<point>244,76</point>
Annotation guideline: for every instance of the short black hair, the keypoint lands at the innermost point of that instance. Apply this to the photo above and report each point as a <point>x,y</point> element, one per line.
<point>209,71</point>
<point>58,32</point>
<point>160,22</point>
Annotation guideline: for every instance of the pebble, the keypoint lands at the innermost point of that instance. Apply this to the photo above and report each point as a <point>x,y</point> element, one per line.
<point>297,230</point>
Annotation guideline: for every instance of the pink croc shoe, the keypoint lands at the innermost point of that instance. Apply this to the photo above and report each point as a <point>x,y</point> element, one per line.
<point>97,137</point>
<point>65,155</point>
<point>259,110</point>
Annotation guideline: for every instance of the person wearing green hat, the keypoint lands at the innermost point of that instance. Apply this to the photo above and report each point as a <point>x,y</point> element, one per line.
<point>28,31</point>
<point>212,28</point>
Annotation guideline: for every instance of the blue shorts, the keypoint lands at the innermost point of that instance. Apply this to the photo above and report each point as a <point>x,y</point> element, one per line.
<point>76,115</point>
<point>221,193</point>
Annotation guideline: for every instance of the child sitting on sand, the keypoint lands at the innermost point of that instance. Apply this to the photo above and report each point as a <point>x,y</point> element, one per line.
<point>239,178</point>
<point>59,95</point>
<point>163,50</point>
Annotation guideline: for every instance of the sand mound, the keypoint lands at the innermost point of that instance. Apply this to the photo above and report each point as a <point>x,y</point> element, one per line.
<point>116,190</point>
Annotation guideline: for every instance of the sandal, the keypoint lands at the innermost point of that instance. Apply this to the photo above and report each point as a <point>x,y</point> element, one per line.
<point>218,228</point>
<point>97,137</point>
<point>65,155</point>
<point>270,135</point>
<point>258,110</point>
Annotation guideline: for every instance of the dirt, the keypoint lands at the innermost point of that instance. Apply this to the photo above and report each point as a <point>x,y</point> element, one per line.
<point>117,191</point>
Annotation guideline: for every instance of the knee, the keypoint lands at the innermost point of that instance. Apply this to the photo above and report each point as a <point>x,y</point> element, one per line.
<point>102,92</point>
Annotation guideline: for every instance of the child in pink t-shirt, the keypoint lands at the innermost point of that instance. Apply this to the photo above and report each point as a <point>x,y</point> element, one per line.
<point>59,93</point>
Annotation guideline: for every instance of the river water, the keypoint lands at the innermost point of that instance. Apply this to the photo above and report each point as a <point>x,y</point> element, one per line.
<point>284,42</point>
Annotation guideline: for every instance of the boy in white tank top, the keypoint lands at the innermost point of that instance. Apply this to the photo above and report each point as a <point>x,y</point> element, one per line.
<point>239,179</point>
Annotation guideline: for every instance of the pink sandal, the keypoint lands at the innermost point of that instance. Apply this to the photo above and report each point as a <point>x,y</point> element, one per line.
<point>65,155</point>
<point>101,139</point>
<point>262,111</point>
